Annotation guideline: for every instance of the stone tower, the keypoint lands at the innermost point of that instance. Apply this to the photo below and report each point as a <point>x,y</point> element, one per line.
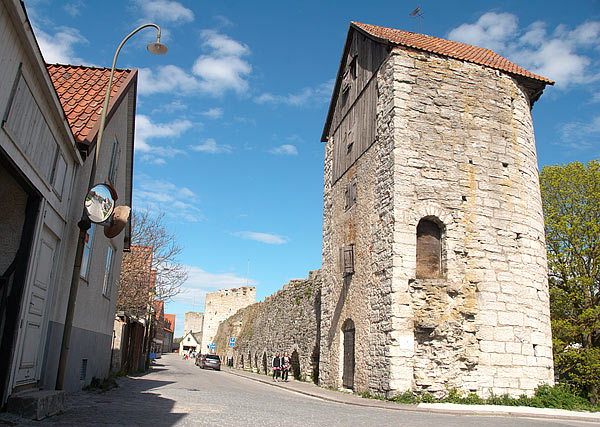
<point>222,304</point>
<point>434,261</point>
<point>194,321</point>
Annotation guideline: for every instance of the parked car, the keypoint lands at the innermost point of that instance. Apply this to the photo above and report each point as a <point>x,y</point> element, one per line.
<point>209,361</point>
<point>198,359</point>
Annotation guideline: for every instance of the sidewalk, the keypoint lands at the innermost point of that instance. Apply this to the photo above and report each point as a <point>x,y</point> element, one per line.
<point>310,389</point>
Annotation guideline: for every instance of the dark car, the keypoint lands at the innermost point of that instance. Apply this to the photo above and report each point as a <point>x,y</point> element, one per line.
<point>209,361</point>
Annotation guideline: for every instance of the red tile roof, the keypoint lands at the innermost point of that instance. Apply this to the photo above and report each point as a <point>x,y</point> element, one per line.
<point>81,91</point>
<point>448,48</point>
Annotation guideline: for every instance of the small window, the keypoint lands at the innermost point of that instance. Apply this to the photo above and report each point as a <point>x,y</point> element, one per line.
<point>350,193</point>
<point>83,370</point>
<point>348,259</point>
<point>87,249</point>
<point>114,162</point>
<point>353,68</point>
<point>108,272</point>
<point>429,250</point>
<point>59,171</point>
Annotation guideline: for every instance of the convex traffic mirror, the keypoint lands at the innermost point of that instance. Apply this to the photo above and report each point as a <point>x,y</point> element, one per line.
<point>99,203</point>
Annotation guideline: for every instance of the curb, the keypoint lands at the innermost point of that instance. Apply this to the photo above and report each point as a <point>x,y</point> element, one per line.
<point>456,409</point>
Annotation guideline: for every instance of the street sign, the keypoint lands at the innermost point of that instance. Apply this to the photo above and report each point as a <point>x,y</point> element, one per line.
<point>212,346</point>
<point>232,341</point>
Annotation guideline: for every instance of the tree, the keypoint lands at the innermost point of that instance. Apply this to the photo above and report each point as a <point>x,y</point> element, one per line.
<point>571,201</point>
<point>151,269</point>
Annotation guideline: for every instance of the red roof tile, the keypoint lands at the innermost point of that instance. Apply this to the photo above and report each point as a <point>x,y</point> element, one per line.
<point>448,48</point>
<point>81,92</point>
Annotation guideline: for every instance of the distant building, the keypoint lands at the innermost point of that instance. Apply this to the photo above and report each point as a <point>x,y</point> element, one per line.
<point>190,342</point>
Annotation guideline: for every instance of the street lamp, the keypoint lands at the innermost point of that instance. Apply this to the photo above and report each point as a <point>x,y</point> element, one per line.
<point>156,48</point>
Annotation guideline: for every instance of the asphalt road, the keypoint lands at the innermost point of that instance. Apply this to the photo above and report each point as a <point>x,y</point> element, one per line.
<point>177,393</point>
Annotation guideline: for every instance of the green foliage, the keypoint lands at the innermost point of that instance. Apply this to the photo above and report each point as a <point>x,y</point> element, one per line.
<point>559,396</point>
<point>571,201</point>
<point>250,333</point>
<point>408,397</point>
<point>307,292</point>
<point>297,300</point>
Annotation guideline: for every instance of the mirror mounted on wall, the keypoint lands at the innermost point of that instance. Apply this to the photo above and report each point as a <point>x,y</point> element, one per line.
<point>100,203</point>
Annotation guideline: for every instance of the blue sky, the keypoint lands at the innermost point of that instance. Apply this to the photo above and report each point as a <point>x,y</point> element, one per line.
<point>229,121</point>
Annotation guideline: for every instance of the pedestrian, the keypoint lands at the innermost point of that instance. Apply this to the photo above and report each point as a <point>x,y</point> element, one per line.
<point>276,364</point>
<point>285,366</point>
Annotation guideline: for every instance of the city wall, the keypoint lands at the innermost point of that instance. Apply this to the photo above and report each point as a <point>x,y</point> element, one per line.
<point>286,321</point>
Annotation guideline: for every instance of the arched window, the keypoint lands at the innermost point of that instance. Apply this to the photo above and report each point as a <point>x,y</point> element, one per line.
<point>429,249</point>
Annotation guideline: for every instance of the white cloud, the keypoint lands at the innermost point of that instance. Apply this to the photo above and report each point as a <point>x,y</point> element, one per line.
<point>165,11</point>
<point>222,69</point>
<point>211,146</point>
<point>213,113</point>
<point>285,149</point>
<point>306,96</point>
<point>145,130</point>
<point>59,47</point>
<point>270,238</point>
<point>561,56</point>
<point>171,107</point>
<point>581,135</point>
<point>215,73</point>
<point>491,31</point>
<point>73,8</point>
<point>157,196</point>
<point>168,78</point>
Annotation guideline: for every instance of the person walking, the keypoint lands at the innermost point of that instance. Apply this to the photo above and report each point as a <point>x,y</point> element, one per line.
<point>285,366</point>
<point>276,364</point>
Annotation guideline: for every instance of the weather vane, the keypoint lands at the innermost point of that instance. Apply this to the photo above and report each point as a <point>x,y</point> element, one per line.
<point>418,12</point>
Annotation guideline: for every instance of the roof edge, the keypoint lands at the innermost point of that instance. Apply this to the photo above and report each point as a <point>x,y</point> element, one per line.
<point>90,140</point>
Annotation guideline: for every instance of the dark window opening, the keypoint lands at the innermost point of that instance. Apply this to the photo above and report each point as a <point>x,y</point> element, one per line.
<point>348,260</point>
<point>350,194</point>
<point>429,250</point>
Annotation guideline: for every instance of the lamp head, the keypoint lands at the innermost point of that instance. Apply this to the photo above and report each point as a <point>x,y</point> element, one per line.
<point>157,48</point>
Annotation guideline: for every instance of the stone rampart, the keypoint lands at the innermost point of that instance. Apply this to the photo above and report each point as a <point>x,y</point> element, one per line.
<point>286,321</point>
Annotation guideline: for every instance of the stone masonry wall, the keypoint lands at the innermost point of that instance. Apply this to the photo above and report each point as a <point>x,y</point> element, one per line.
<point>286,321</point>
<point>465,156</point>
<point>220,305</point>
<point>194,322</point>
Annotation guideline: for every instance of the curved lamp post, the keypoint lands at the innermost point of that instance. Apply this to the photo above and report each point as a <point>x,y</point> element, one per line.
<point>156,48</point>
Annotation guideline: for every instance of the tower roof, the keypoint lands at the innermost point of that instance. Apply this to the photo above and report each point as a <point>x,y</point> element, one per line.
<point>449,48</point>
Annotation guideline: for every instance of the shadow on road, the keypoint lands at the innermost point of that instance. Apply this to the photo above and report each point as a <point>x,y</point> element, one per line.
<point>136,401</point>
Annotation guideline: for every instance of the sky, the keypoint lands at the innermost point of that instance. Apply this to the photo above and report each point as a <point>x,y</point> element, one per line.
<point>229,121</point>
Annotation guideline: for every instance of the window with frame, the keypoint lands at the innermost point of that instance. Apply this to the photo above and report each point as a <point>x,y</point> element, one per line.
<point>114,162</point>
<point>108,272</point>
<point>348,260</point>
<point>87,250</point>
<point>350,194</point>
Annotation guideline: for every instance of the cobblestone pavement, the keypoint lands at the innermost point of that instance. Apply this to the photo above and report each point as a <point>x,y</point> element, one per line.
<point>177,393</point>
